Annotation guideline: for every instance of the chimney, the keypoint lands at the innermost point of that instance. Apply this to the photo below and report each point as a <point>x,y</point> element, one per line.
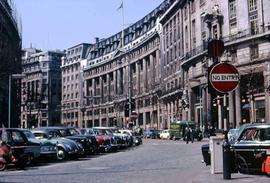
<point>96,39</point>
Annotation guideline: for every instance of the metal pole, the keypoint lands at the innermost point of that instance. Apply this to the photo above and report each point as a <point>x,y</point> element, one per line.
<point>9,99</point>
<point>201,116</point>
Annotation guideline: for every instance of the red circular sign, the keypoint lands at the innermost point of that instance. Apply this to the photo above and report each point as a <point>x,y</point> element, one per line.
<point>224,77</point>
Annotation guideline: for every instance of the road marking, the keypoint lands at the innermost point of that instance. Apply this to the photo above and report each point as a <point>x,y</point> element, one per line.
<point>96,168</point>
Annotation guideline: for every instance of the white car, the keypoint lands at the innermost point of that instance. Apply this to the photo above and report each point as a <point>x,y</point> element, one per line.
<point>165,134</point>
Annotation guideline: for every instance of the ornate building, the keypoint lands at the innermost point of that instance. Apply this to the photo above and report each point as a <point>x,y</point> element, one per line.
<point>72,106</point>
<point>243,25</point>
<point>161,68</point>
<point>41,88</point>
<point>10,49</point>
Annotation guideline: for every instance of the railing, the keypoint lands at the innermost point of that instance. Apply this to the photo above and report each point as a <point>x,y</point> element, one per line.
<point>196,50</point>
<point>245,34</point>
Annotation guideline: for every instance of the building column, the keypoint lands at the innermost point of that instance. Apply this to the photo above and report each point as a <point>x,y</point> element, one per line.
<point>158,66</point>
<point>204,107</point>
<point>118,82</point>
<point>231,110</point>
<point>267,92</point>
<point>108,87</point>
<point>125,80</point>
<point>238,107</point>
<point>138,78</point>
<point>144,120</point>
<point>151,72</point>
<point>145,82</point>
<point>115,82</point>
<point>158,114</point>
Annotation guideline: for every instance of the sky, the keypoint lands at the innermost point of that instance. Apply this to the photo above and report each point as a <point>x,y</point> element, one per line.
<point>60,24</point>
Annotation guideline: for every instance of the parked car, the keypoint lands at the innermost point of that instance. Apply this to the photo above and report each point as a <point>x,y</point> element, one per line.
<point>71,134</point>
<point>151,133</point>
<point>65,148</point>
<point>47,148</point>
<point>251,148</point>
<point>165,134</point>
<point>22,149</point>
<point>107,139</point>
<point>127,140</point>
<point>104,141</point>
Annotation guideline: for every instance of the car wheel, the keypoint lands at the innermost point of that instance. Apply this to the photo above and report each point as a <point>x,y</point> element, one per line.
<point>242,165</point>
<point>60,154</point>
<point>173,138</point>
<point>2,166</point>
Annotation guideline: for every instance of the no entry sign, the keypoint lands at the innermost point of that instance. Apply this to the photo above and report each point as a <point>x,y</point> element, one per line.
<point>224,77</point>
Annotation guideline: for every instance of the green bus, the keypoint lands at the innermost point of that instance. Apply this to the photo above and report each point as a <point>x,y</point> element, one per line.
<point>178,130</point>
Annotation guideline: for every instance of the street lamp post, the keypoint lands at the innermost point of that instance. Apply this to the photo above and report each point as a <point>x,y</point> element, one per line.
<point>12,76</point>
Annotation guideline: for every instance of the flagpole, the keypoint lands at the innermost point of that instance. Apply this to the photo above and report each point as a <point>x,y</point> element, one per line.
<point>123,24</point>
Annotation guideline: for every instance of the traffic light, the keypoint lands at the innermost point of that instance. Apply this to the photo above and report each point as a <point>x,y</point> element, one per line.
<point>133,104</point>
<point>126,110</point>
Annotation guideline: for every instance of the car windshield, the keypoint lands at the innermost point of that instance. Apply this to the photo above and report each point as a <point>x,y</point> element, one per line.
<point>65,132</point>
<point>251,134</point>
<point>265,134</point>
<point>40,135</point>
<point>100,132</point>
<point>73,132</point>
<point>29,134</point>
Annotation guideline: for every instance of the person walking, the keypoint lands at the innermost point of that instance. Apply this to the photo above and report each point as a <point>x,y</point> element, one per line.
<point>189,135</point>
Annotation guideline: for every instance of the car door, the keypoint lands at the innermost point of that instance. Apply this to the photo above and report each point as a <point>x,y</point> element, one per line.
<point>247,151</point>
<point>17,141</point>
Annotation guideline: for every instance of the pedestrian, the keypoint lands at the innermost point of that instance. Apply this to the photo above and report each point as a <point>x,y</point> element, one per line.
<point>187,134</point>
<point>191,134</point>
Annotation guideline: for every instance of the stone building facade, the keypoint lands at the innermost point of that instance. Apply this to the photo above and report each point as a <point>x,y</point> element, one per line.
<point>243,25</point>
<point>10,62</point>
<point>41,88</point>
<point>72,106</point>
<point>163,67</point>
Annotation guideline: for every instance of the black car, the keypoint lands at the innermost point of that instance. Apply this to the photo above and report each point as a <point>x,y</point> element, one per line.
<point>252,148</point>
<point>47,147</point>
<point>22,149</point>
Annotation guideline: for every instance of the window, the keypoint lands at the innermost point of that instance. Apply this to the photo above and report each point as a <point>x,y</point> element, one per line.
<point>252,4</point>
<point>185,13</point>
<point>193,33</point>
<point>250,135</point>
<point>202,2</point>
<point>253,24</point>
<point>193,6</point>
<point>254,51</point>
<point>16,136</point>
<point>215,32</point>
<point>232,9</point>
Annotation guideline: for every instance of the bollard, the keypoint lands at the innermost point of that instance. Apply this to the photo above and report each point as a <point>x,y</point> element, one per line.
<point>226,160</point>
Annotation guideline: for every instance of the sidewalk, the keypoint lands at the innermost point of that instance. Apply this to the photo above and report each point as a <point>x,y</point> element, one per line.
<point>206,177</point>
